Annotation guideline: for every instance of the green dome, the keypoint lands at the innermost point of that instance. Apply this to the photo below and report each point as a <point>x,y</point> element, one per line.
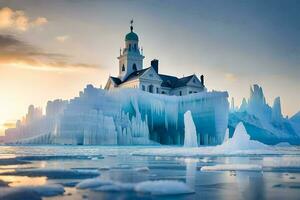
<point>131,36</point>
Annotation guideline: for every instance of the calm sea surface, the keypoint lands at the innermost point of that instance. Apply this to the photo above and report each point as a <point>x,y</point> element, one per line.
<point>23,166</point>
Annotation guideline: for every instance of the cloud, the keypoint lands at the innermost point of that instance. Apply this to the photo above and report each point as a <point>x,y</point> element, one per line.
<point>40,21</point>
<point>62,38</point>
<point>18,20</point>
<point>18,53</point>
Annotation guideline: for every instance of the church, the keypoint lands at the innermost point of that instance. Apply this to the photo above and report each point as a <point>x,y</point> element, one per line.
<point>132,74</point>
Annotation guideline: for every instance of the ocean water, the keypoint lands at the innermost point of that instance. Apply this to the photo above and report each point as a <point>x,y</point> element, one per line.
<point>52,172</point>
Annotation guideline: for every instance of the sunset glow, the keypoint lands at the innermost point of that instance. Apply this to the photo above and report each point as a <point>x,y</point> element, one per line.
<point>47,52</point>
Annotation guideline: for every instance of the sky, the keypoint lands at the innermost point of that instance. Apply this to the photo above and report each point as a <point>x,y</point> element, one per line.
<point>53,49</point>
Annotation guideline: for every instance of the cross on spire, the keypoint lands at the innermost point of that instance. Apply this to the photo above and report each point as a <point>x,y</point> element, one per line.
<point>131,23</point>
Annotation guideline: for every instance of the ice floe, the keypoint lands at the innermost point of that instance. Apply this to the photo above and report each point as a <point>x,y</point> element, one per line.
<point>161,187</point>
<point>93,183</point>
<point>29,192</point>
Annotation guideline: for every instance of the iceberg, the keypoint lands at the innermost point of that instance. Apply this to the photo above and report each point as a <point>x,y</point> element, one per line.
<point>126,117</point>
<point>240,141</point>
<point>263,122</point>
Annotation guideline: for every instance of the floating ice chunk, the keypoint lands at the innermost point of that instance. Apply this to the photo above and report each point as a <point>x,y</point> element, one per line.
<point>190,134</point>
<point>92,183</point>
<point>240,141</point>
<point>35,192</point>
<point>142,169</point>
<point>163,188</point>
<point>232,167</point>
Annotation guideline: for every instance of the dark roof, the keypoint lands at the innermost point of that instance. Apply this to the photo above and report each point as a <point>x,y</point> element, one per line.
<point>136,74</point>
<point>132,76</point>
<point>131,36</point>
<point>174,82</point>
<point>168,81</point>
<point>183,81</point>
<point>116,80</point>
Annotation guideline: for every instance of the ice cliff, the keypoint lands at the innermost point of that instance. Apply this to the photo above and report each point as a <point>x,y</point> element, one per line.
<point>127,117</point>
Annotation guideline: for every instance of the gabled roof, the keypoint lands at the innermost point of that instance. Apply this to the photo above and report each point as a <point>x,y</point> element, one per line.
<point>136,74</point>
<point>174,82</point>
<point>167,81</point>
<point>183,81</point>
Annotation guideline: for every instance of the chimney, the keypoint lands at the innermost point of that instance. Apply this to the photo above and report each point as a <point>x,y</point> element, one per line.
<point>202,79</point>
<point>154,64</point>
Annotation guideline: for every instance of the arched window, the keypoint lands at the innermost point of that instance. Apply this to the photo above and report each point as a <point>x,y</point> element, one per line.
<point>134,67</point>
<point>129,47</point>
<point>134,47</point>
<point>123,68</point>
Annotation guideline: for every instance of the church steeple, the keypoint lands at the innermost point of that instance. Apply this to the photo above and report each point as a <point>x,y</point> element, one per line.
<point>130,59</point>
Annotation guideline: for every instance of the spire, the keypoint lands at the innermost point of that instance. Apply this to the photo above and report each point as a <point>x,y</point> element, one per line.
<point>131,23</point>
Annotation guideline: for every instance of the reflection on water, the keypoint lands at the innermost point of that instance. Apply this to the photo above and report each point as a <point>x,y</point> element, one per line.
<point>191,169</point>
<point>248,182</point>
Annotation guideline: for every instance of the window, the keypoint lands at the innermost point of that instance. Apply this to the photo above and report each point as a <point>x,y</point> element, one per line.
<point>134,47</point>
<point>180,93</point>
<point>143,88</point>
<point>123,68</point>
<point>194,81</point>
<point>190,92</point>
<point>163,92</point>
<point>134,67</point>
<point>150,88</point>
<point>129,47</point>
<point>157,90</point>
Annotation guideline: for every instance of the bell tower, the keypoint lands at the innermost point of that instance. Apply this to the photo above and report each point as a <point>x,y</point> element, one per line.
<point>130,59</point>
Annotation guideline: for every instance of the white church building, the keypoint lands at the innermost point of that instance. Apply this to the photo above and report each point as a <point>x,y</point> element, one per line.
<point>132,74</point>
